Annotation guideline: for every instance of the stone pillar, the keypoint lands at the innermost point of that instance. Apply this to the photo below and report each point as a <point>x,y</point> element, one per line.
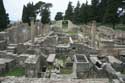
<point>15,36</point>
<point>38,29</point>
<point>98,41</point>
<point>32,30</point>
<point>93,33</point>
<point>41,29</point>
<point>70,25</point>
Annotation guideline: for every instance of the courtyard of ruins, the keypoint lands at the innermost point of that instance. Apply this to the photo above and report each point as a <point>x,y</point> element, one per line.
<point>60,53</point>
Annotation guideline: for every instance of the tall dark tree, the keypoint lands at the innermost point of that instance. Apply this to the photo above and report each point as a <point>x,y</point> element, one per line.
<point>45,13</point>
<point>25,17</point>
<point>31,10</point>
<point>122,13</point>
<point>85,13</point>
<point>4,19</point>
<point>7,19</point>
<point>122,19</point>
<point>28,11</point>
<point>101,10</point>
<point>76,16</point>
<point>111,15</point>
<point>95,4</point>
<point>59,16</point>
<point>48,5</point>
<point>69,12</point>
<point>45,16</point>
<point>38,6</point>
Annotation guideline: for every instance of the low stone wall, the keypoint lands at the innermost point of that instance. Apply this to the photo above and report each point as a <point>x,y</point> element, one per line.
<point>41,80</point>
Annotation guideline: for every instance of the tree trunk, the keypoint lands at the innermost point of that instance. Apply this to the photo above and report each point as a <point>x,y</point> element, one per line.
<point>113,24</point>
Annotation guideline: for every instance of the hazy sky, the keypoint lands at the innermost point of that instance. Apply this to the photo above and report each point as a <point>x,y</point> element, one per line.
<point>15,7</point>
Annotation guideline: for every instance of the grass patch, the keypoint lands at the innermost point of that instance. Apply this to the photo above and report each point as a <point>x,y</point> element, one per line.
<point>67,70</point>
<point>15,72</point>
<point>72,33</point>
<point>120,27</point>
<point>123,71</point>
<point>117,26</point>
<point>49,67</point>
<point>62,57</point>
<point>64,70</point>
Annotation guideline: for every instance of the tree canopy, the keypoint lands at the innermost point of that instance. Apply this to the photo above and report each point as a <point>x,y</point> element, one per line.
<point>111,15</point>
<point>76,15</point>
<point>32,10</point>
<point>4,17</point>
<point>45,13</point>
<point>69,12</point>
<point>59,16</point>
<point>28,11</point>
<point>102,11</point>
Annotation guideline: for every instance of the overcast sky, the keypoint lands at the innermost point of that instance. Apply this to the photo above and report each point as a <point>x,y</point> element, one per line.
<point>15,7</point>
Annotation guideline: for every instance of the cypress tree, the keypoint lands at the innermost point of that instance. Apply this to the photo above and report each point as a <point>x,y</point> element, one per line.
<point>28,11</point>
<point>69,12</point>
<point>24,16</point>
<point>4,19</point>
<point>85,13</point>
<point>111,15</point>
<point>101,10</point>
<point>45,16</point>
<point>122,13</point>
<point>76,16</point>
<point>45,13</point>
<point>94,10</point>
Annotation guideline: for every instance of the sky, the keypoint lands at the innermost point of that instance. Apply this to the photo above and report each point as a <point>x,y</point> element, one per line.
<point>14,7</point>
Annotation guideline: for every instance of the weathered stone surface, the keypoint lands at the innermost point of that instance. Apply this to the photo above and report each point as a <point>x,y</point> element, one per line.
<point>81,65</point>
<point>3,40</point>
<point>40,80</point>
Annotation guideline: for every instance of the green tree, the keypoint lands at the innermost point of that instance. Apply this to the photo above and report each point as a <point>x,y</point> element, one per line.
<point>101,10</point>
<point>31,10</point>
<point>95,4</point>
<point>45,13</point>
<point>25,17</point>
<point>69,12</point>
<point>85,13</point>
<point>38,6</point>
<point>28,11</point>
<point>76,16</point>
<point>45,16</point>
<point>111,15</point>
<point>122,14</point>
<point>122,19</point>
<point>4,19</point>
<point>59,16</point>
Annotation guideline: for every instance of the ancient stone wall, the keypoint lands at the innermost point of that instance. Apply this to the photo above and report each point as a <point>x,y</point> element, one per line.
<point>19,33</point>
<point>3,40</point>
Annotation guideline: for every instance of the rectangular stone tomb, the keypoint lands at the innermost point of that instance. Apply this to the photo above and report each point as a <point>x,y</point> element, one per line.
<point>81,62</point>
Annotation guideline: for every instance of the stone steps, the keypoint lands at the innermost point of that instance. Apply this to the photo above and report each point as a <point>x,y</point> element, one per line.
<point>11,48</point>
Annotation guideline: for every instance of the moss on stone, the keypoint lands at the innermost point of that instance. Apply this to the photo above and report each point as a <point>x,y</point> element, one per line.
<point>14,72</point>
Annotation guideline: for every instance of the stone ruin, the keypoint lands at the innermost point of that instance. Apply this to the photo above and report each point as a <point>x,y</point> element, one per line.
<point>46,52</point>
